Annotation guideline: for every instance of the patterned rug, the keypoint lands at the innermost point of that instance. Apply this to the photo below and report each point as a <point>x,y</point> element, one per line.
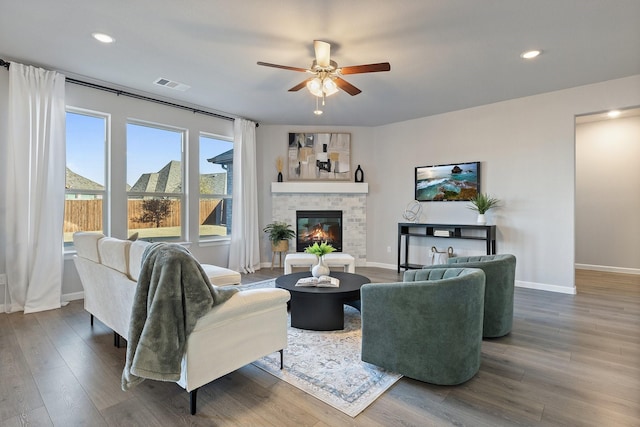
<point>327,364</point>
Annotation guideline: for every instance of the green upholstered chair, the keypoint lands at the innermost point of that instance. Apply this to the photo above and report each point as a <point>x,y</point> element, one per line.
<point>500,272</point>
<point>428,327</point>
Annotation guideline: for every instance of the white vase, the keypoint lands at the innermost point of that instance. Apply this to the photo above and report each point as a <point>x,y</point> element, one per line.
<point>320,269</point>
<point>481,219</point>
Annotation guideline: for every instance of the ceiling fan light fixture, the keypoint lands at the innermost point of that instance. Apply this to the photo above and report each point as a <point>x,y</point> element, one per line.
<point>315,86</point>
<point>329,87</point>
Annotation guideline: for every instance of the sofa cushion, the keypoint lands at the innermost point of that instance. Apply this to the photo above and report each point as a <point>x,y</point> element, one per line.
<point>114,253</point>
<point>135,258</point>
<point>86,244</point>
<point>221,276</point>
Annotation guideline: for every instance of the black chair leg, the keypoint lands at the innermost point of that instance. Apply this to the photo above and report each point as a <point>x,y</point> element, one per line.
<point>281,359</point>
<point>193,396</point>
<point>92,320</point>
<point>116,339</point>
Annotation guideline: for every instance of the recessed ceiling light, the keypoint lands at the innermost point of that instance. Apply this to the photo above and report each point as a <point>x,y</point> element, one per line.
<point>103,38</point>
<point>613,114</point>
<point>530,54</point>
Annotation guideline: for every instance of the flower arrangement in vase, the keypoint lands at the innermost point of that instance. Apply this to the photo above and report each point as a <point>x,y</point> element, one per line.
<point>320,250</point>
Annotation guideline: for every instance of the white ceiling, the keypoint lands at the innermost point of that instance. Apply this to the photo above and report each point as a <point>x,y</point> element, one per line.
<point>445,55</point>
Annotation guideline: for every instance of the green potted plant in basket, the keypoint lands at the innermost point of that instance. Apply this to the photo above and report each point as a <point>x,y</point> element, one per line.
<point>481,203</point>
<point>279,234</point>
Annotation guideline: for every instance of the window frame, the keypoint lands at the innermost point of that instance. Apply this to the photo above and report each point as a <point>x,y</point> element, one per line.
<point>184,174</point>
<point>214,238</point>
<point>106,192</point>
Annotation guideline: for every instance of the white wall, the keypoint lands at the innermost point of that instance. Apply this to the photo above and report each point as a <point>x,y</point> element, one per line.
<point>526,149</point>
<point>608,194</point>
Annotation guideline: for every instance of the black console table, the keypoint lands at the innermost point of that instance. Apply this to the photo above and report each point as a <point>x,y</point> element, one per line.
<point>442,231</point>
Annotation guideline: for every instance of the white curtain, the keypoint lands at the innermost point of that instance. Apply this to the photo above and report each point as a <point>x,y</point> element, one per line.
<point>34,192</point>
<point>244,251</point>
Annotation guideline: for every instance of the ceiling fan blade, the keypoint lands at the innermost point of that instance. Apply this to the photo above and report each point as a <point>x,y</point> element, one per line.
<point>284,67</point>
<point>299,86</point>
<point>323,53</point>
<point>346,86</point>
<point>368,68</point>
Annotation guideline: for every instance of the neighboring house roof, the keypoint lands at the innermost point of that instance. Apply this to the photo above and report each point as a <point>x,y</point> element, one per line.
<point>79,182</point>
<point>213,183</point>
<point>223,158</point>
<point>166,180</point>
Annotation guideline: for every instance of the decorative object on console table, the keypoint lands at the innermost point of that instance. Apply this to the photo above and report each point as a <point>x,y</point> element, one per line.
<point>481,203</point>
<point>412,211</point>
<point>437,257</point>
<point>359,175</point>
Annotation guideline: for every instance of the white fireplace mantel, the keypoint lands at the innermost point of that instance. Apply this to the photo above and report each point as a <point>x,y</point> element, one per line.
<point>330,187</point>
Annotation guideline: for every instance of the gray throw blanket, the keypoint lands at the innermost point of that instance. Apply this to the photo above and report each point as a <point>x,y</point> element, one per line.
<point>173,292</point>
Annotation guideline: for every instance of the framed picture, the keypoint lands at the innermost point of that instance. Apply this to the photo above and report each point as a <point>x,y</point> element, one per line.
<point>319,156</point>
<point>444,183</point>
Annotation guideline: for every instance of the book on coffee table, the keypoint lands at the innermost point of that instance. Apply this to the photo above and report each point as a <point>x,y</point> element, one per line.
<point>319,282</point>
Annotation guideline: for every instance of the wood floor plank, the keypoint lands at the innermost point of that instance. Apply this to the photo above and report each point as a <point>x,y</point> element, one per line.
<point>65,399</point>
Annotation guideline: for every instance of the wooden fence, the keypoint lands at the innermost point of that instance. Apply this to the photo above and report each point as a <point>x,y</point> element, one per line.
<point>86,215</point>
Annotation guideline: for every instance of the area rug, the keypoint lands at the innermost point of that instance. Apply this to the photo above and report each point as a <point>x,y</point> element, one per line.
<point>327,365</point>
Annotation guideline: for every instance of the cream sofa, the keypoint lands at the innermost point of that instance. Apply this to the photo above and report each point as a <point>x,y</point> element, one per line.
<point>250,325</point>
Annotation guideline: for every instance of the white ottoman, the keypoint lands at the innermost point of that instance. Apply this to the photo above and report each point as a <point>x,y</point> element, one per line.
<point>342,260</point>
<point>299,260</point>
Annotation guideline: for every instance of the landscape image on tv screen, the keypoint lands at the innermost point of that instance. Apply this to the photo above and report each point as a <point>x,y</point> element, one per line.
<point>451,182</point>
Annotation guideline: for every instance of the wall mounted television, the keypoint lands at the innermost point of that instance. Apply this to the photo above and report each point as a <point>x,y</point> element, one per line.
<point>445,183</point>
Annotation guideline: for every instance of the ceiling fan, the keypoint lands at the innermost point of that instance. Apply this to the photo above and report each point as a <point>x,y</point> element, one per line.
<point>325,79</point>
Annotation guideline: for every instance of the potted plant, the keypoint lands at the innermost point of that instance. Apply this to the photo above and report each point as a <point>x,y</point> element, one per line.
<point>320,250</point>
<point>279,234</point>
<point>481,203</point>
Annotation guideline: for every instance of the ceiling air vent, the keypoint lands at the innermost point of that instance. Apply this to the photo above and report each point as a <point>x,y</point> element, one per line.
<point>171,84</point>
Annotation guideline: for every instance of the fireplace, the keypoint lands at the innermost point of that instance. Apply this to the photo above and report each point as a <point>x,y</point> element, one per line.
<point>318,226</point>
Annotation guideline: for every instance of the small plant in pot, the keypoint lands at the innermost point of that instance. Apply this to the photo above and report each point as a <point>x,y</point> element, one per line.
<point>279,234</point>
<point>320,250</point>
<point>481,203</point>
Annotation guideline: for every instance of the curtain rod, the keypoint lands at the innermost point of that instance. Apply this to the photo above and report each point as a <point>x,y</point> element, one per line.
<point>119,92</point>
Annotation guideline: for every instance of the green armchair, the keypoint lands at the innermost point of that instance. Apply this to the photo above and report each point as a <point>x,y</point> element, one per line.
<point>428,327</point>
<point>500,272</point>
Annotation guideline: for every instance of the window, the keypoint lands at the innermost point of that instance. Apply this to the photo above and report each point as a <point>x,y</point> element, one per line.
<point>155,181</point>
<point>85,183</point>
<point>216,186</point>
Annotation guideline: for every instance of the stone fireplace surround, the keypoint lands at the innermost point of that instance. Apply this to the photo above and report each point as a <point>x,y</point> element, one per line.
<point>351,198</point>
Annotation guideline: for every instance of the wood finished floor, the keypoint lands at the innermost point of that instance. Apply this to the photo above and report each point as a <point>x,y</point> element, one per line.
<point>571,360</point>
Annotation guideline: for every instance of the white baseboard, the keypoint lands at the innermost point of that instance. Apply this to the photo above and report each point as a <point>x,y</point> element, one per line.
<point>381,265</point>
<point>571,290</point>
<point>72,296</point>
<point>608,269</point>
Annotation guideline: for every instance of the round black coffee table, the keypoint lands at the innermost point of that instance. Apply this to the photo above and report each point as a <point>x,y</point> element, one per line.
<point>321,309</point>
